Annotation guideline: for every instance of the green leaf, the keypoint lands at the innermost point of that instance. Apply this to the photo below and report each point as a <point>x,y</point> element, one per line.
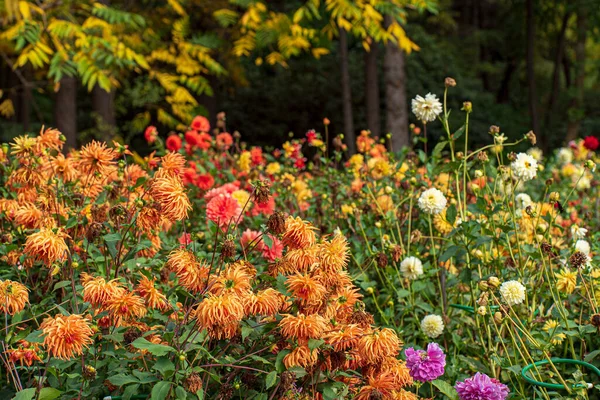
<point>271,379</point>
<point>26,394</point>
<point>130,391</point>
<point>164,366</point>
<point>591,356</point>
<point>61,284</point>
<point>49,393</point>
<point>35,337</point>
<point>437,150</point>
<point>451,214</point>
<point>155,349</point>
<point>180,393</point>
<point>315,343</point>
<point>279,366</point>
<point>446,389</point>
<point>122,379</point>
<point>267,241</point>
<point>160,391</point>
<point>459,133</point>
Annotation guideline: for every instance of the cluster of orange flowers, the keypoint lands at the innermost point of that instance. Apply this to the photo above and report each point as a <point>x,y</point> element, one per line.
<point>319,322</point>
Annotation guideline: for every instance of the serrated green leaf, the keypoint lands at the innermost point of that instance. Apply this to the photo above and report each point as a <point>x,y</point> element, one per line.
<point>271,379</point>
<point>154,349</point>
<point>446,389</point>
<point>160,391</point>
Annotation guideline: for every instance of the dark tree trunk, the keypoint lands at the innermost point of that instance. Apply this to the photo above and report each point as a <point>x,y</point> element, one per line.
<point>103,105</point>
<point>347,94</point>
<point>503,94</point>
<point>372,90</point>
<point>25,99</point>
<point>577,100</point>
<point>395,95</point>
<point>65,110</point>
<point>554,93</point>
<point>530,22</point>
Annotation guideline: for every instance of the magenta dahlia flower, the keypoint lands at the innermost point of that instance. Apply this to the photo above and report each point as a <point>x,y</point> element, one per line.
<point>481,387</point>
<point>427,365</point>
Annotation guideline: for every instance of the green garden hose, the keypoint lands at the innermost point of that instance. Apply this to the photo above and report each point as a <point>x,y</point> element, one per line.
<point>134,397</point>
<point>469,308</point>
<point>557,386</point>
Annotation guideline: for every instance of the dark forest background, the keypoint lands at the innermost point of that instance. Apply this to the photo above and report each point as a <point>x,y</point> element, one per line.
<point>524,64</point>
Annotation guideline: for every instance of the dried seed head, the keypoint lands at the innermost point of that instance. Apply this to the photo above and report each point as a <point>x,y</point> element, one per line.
<point>192,383</point>
<point>494,130</point>
<point>482,156</point>
<point>531,137</point>
<point>578,259</point>
<point>595,320</point>
<point>228,247</point>
<point>276,223</point>
<point>262,191</point>
<point>396,252</point>
<point>382,260</point>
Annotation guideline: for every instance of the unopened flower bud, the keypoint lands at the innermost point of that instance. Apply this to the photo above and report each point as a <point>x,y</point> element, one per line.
<point>326,121</point>
<point>493,282</point>
<point>554,197</point>
<point>498,317</point>
<point>589,164</point>
<point>467,107</point>
<point>450,82</point>
<point>494,130</point>
<point>482,310</point>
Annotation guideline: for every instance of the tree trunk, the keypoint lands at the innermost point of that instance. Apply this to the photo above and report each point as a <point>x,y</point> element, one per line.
<point>530,22</point>
<point>503,94</point>
<point>347,94</point>
<point>65,110</point>
<point>372,90</point>
<point>103,105</point>
<point>395,94</point>
<point>25,99</point>
<point>554,93</point>
<point>575,108</point>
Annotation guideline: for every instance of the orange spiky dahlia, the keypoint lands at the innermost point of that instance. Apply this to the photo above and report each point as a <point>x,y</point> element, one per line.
<point>299,234</point>
<point>219,310</point>
<point>403,395</point>
<point>151,295</point>
<point>300,260</point>
<point>96,157</point>
<point>97,291</point>
<point>232,280</point>
<point>66,337</point>
<point>28,215</point>
<point>192,274</point>
<point>13,297</point>
<point>379,387</point>
<point>265,302</point>
<point>303,326</point>
<point>301,356</point>
<point>47,246</point>
<point>334,254</point>
<point>379,344</point>
<point>306,288</point>
<point>169,192</point>
<point>126,306</point>
<point>172,164</point>
<point>344,337</point>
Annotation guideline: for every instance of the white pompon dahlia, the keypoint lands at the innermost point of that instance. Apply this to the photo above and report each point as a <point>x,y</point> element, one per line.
<point>512,292</point>
<point>432,201</point>
<point>578,232</point>
<point>524,167</point>
<point>426,109</point>
<point>411,268</point>
<point>432,325</point>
